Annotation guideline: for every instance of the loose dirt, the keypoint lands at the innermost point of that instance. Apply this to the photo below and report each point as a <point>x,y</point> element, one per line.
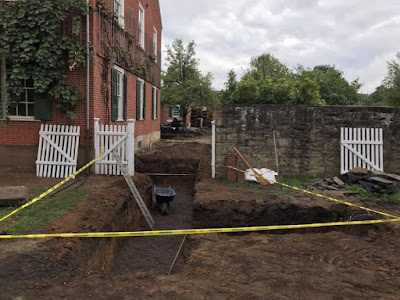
<point>352,263</point>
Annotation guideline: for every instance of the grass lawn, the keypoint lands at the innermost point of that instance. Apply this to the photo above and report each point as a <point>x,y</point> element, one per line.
<point>363,194</point>
<point>43,213</point>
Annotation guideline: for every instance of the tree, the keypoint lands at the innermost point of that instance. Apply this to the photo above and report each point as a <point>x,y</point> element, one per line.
<point>334,88</point>
<point>392,81</point>
<point>379,96</point>
<point>269,67</point>
<point>183,83</point>
<point>229,95</point>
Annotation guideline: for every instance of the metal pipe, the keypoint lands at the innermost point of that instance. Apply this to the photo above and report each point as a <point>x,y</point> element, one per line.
<point>87,83</point>
<point>213,150</point>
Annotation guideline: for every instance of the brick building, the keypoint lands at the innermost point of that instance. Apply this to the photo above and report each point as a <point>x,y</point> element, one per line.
<point>133,79</point>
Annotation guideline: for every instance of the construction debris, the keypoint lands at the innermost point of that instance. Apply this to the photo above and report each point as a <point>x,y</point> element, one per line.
<point>372,181</point>
<point>13,195</point>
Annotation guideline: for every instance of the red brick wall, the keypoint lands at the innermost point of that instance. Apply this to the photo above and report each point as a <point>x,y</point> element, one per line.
<point>26,133</point>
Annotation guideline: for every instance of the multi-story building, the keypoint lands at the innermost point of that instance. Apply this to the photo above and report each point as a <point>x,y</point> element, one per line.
<point>124,82</point>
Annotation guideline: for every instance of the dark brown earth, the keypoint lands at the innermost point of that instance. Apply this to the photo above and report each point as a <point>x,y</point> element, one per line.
<point>339,263</point>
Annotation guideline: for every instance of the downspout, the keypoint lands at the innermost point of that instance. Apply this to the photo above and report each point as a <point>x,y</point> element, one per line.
<point>87,85</point>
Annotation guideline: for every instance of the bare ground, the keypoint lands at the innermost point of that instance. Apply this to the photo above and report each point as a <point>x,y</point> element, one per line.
<point>339,263</point>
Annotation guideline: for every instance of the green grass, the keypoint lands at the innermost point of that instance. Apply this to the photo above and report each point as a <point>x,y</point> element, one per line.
<point>44,212</point>
<point>255,188</point>
<point>364,194</point>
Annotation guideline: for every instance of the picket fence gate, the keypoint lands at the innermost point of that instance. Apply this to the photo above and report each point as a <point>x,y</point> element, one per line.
<point>110,138</point>
<point>58,151</point>
<point>361,147</point>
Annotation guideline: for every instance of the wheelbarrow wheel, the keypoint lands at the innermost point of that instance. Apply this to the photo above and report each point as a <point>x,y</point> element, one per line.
<point>164,208</point>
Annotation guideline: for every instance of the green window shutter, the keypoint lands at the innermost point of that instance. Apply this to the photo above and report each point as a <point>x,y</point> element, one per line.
<point>114,97</point>
<point>181,111</point>
<point>153,104</point>
<point>144,101</point>
<point>138,89</point>
<point>42,108</point>
<point>170,110</point>
<point>156,104</point>
<point>125,95</point>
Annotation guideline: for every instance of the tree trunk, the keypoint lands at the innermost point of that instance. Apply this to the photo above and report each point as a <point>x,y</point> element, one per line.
<point>184,119</point>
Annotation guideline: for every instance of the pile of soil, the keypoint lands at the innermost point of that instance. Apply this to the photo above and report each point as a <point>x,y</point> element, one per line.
<point>171,158</point>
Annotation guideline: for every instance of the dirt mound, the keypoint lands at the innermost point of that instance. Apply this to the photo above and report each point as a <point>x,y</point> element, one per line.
<point>110,207</point>
<point>171,158</point>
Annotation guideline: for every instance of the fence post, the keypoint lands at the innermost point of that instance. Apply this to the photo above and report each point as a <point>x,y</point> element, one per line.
<point>130,149</point>
<point>96,144</point>
<point>213,150</point>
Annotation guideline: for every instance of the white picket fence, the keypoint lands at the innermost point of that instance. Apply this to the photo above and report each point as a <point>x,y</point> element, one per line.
<point>361,147</point>
<point>58,151</point>
<point>119,138</point>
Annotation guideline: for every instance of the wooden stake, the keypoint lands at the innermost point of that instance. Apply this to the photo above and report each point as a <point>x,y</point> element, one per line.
<point>276,154</point>
<point>177,255</point>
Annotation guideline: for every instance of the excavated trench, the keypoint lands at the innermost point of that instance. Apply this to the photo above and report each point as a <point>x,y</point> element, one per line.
<point>199,203</point>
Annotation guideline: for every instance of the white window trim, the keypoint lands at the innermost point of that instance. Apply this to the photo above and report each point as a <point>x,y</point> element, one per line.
<point>121,15</point>
<point>173,111</point>
<point>22,118</point>
<point>155,108</point>
<point>155,42</point>
<point>142,34</point>
<point>121,100</point>
<point>141,118</point>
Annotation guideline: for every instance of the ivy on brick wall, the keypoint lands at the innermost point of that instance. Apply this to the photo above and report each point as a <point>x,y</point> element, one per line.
<point>42,40</point>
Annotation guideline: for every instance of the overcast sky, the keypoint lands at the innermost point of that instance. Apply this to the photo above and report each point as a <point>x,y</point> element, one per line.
<point>358,36</point>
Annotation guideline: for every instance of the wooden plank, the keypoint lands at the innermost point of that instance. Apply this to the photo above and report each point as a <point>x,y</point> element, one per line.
<point>381,149</point>
<point>47,152</point>
<point>39,154</point>
<point>67,169</point>
<point>377,149</point>
<point>56,153</point>
<point>368,141</point>
<point>102,146</point>
<point>107,156</point>
<point>96,144</point>
<point>78,130</point>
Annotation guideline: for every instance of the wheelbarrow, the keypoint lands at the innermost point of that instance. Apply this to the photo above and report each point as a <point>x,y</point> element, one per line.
<point>164,196</point>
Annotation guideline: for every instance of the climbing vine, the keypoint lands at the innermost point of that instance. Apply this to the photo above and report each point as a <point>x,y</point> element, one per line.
<point>42,40</point>
<point>115,52</point>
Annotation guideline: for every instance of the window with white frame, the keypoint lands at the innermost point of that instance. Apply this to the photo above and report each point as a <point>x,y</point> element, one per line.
<point>24,109</point>
<point>119,11</point>
<point>141,26</point>
<point>155,103</point>
<point>176,111</point>
<point>155,37</point>
<point>120,93</point>
<point>140,100</point>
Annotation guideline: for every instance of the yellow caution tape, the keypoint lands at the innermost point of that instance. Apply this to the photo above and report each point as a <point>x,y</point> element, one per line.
<point>176,141</point>
<point>193,231</point>
<point>41,196</point>
<point>319,195</point>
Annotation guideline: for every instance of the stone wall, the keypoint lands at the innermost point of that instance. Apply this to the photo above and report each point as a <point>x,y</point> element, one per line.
<point>308,137</point>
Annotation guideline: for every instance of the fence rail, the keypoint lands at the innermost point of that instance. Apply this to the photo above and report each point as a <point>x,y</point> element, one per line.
<point>119,138</point>
<point>361,147</point>
<point>58,151</point>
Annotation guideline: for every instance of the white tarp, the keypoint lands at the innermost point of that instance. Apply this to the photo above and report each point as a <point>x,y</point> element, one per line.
<point>266,173</point>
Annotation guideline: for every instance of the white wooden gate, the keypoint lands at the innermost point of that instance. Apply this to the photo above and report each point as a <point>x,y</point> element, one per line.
<point>114,137</point>
<point>58,151</point>
<point>361,147</point>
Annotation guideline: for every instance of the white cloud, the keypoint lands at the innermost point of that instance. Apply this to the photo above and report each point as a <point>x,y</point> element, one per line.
<point>358,36</point>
